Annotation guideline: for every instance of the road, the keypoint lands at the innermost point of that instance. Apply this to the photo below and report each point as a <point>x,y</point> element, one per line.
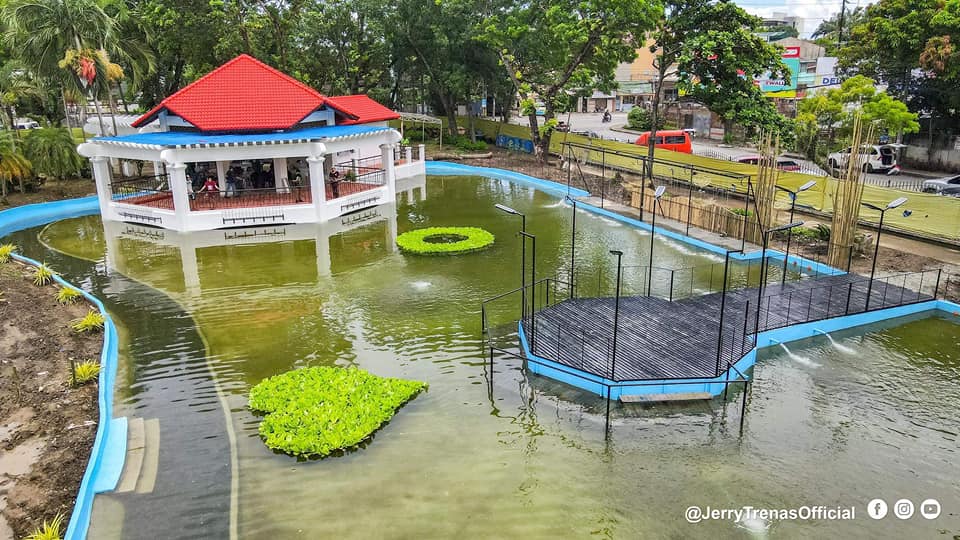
<point>703,147</point>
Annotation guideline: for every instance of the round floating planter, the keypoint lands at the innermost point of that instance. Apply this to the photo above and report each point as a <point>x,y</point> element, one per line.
<point>445,240</point>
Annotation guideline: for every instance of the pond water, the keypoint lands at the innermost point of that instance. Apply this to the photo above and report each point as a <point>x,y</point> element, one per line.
<point>203,317</point>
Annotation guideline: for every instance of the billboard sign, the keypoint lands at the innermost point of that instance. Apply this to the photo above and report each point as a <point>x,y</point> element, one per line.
<point>777,87</point>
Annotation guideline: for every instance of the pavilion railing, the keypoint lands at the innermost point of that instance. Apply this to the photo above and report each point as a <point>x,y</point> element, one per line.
<point>250,198</point>
<point>152,191</point>
<point>348,184</point>
<point>360,166</point>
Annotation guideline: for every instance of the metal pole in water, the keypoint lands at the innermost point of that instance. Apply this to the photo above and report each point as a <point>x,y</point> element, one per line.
<point>616,313</point>
<point>743,406</point>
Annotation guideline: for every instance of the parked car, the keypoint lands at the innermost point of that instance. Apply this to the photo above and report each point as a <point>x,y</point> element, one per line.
<point>877,158</point>
<point>562,126</point>
<point>676,140</point>
<point>948,185</point>
<point>784,164</point>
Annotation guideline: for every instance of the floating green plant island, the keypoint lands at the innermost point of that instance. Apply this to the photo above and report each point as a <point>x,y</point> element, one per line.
<point>445,240</point>
<point>316,411</point>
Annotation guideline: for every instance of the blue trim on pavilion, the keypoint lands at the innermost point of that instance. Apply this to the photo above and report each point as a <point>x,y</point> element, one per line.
<point>178,139</point>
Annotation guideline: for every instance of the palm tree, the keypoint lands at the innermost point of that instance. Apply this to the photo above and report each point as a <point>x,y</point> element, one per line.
<point>71,41</point>
<point>52,152</point>
<point>13,166</point>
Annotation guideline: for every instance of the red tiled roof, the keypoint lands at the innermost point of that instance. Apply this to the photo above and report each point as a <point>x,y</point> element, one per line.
<point>242,95</point>
<point>361,108</point>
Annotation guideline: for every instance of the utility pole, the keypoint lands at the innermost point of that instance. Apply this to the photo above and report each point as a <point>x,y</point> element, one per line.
<point>843,8</point>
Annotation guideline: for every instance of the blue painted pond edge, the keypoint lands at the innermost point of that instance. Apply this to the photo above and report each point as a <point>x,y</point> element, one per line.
<point>110,444</point>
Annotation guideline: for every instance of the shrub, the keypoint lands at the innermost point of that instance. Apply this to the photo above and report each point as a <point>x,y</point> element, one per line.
<point>464,143</point>
<point>321,410</point>
<point>6,251</point>
<point>49,530</point>
<point>741,212</point>
<point>85,372</point>
<point>640,118</point>
<point>68,295</point>
<point>90,322</point>
<point>42,275</point>
<point>445,240</point>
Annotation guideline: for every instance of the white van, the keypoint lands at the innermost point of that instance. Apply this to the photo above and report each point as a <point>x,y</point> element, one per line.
<point>875,158</point>
<point>26,124</point>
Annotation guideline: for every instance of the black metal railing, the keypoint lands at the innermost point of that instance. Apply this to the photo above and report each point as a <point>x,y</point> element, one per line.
<point>152,191</point>
<point>687,282</point>
<point>250,198</point>
<point>350,181</point>
<point>361,165</point>
<point>846,297</point>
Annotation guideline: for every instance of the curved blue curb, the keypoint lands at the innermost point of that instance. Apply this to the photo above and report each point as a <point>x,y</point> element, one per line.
<point>110,444</point>
<point>445,168</point>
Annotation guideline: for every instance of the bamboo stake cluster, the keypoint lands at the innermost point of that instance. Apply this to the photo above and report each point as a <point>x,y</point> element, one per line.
<point>847,197</point>
<point>764,189</point>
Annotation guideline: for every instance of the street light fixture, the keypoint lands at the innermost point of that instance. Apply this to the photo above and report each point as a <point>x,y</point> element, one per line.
<point>653,230</point>
<point>763,266</point>
<point>523,256</point>
<point>896,203</point>
<point>616,311</point>
<point>793,206</point>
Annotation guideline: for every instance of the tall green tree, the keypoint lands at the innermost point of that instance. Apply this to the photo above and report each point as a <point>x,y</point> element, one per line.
<point>832,113</point>
<point>438,39</point>
<point>553,48</point>
<point>711,46</point>
<point>908,45</point>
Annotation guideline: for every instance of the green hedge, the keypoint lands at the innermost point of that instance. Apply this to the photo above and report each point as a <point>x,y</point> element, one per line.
<point>446,240</point>
<point>321,410</point>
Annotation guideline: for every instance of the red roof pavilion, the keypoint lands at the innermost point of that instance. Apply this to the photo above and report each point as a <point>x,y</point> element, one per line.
<point>245,94</point>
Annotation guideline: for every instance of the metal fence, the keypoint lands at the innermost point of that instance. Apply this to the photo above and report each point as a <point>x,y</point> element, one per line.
<point>151,191</point>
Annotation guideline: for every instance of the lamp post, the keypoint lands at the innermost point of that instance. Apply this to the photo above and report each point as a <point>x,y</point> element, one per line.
<point>616,311</point>
<point>873,267</point>
<point>523,256</point>
<point>653,230</point>
<point>793,206</point>
<point>690,200</point>
<point>533,283</point>
<point>763,266</point>
<point>573,241</point>
<point>723,303</point>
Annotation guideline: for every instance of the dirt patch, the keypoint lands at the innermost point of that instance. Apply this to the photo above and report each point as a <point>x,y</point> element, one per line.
<point>46,427</point>
<point>51,191</point>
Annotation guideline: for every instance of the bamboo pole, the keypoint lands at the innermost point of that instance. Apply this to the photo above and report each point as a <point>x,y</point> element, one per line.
<point>847,197</point>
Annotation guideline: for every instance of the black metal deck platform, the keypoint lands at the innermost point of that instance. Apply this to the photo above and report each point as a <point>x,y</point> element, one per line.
<point>662,339</point>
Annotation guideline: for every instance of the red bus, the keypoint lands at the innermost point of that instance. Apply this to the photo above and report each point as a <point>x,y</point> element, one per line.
<point>676,140</point>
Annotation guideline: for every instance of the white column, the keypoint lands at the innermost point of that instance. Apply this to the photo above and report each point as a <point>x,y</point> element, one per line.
<point>102,175</point>
<point>408,154</point>
<point>222,167</point>
<point>422,152</point>
<point>181,197</point>
<point>317,188</point>
<point>280,175</point>
<point>386,157</point>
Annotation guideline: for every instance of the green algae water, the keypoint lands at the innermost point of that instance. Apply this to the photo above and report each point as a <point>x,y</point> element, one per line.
<point>205,316</point>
